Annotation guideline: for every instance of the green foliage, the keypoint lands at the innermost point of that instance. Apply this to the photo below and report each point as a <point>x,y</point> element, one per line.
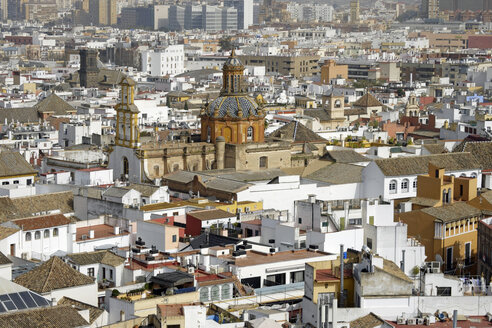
<point>400,92</point>
<point>147,286</point>
<point>226,44</point>
<point>115,293</point>
<point>415,270</point>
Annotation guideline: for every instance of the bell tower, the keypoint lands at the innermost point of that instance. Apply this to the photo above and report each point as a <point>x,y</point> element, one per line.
<point>127,131</point>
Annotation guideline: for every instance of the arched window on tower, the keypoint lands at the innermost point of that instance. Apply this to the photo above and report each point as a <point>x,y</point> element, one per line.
<point>249,134</point>
<point>209,133</point>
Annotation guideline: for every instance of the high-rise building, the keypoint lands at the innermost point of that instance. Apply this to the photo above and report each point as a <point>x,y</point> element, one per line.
<point>430,9</point>
<point>244,12</point>
<point>193,17</point>
<point>4,9</point>
<point>102,12</point>
<point>176,18</point>
<point>229,18</point>
<point>354,11</point>
<point>487,5</point>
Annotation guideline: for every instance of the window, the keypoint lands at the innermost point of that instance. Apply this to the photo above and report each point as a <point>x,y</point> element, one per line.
<point>5,183</point>
<point>16,181</point>
<point>175,238</point>
<point>204,294</point>
<point>414,184</point>
<point>28,236</point>
<point>156,170</point>
<point>392,187</point>
<point>175,213</point>
<point>263,162</point>
<point>404,185</point>
<point>449,258</point>
<point>369,243</point>
<point>125,166</point>
<point>37,235</point>
<point>468,253</point>
<point>250,133</point>
<point>104,273</point>
<point>90,272</point>
<point>300,220</point>
<point>443,291</point>
<point>46,233</point>
<point>55,232</point>
<point>110,274</point>
<point>29,182</point>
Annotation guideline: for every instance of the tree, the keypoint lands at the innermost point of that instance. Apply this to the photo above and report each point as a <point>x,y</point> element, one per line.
<point>226,44</point>
<point>400,92</point>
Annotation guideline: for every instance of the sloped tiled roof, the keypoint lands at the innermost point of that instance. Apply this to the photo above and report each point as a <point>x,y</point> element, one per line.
<point>320,114</point>
<point>338,173</point>
<point>7,231</point>
<point>23,207</point>
<point>41,222</point>
<point>436,148</point>
<point>296,132</point>
<point>368,321</point>
<point>4,259</point>
<point>481,152</point>
<point>453,212</point>
<point>211,214</point>
<point>13,163</point>
<point>419,164</point>
<point>345,156</point>
<point>54,104</point>
<point>61,316</point>
<point>367,100</point>
<point>392,269</point>
<point>52,274</point>
<point>21,115</point>
<point>94,312</point>
<point>103,257</point>
<point>146,190</point>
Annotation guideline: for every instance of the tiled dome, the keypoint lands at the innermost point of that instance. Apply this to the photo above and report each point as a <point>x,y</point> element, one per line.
<point>230,105</point>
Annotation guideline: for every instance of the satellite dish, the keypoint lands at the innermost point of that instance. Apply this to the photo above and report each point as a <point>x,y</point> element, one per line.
<point>439,259</point>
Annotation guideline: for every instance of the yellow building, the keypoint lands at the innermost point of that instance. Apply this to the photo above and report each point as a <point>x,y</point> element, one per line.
<point>324,277</point>
<point>331,71</point>
<point>442,220</point>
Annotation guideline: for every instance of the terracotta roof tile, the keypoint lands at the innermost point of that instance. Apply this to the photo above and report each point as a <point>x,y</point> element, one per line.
<point>62,316</point>
<point>103,257</point>
<point>367,100</point>
<point>41,222</point>
<point>52,274</point>
<point>94,312</point>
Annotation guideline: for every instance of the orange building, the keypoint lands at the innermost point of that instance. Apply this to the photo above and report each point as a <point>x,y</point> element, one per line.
<point>443,222</point>
<point>331,71</point>
<point>233,115</point>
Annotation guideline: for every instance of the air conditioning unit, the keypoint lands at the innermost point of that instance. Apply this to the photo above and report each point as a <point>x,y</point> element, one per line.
<point>420,321</point>
<point>24,256</point>
<point>412,322</point>
<point>436,270</point>
<point>401,321</point>
<point>84,237</point>
<point>427,321</point>
<point>191,269</point>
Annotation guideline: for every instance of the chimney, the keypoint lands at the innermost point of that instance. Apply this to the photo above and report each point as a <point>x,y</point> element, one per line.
<point>91,234</point>
<point>116,230</point>
<point>312,198</point>
<point>455,318</point>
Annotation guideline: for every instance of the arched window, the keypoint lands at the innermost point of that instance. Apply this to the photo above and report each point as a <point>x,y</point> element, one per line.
<point>156,170</point>
<point>226,289</point>
<point>392,187</point>
<point>126,166</point>
<point>28,236</point>
<point>338,103</point>
<point>215,293</point>
<point>176,167</point>
<point>209,133</point>
<point>195,167</point>
<point>463,175</point>
<point>204,294</point>
<point>473,175</point>
<point>404,185</point>
<point>444,196</point>
<point>414,184</point>
<point>37,235</point>
<point>46,233</point>
<point>55,232</point>
<point>450,196</point>
<point>263,162</point>
<point>249,134</point>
